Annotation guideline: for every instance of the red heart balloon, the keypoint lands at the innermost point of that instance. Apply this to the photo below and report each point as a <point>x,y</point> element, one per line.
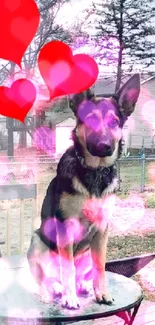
<point>64,73</point>
<point>16,101</point>
<point>19,21</point>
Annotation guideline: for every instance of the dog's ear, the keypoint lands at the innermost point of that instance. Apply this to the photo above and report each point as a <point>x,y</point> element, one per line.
<point>128,95</point>
<point>77,99</point>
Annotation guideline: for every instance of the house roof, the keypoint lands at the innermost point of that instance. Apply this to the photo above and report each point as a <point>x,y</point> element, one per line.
<point>106,86</point>
<point>71,122</point>
<point>103,86</point>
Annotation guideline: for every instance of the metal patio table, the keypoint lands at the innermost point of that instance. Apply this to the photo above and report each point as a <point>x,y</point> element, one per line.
<point>20,306</point>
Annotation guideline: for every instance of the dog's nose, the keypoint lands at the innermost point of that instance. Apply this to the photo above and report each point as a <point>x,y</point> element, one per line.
<point>104,148</point>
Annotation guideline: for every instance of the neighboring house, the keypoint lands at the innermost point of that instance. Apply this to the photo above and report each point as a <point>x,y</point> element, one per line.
<point>141,124</point>
<point>139,130</point>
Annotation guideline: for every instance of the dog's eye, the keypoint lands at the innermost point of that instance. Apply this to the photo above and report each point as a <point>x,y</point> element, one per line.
<point>113,124</point>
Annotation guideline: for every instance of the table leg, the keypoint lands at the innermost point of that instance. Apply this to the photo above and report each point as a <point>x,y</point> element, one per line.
<point>127,316</point>
<point>132,318</point>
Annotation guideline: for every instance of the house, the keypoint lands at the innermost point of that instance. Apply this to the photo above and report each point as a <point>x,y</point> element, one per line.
<point>138,131</point>
<point>140,128</point>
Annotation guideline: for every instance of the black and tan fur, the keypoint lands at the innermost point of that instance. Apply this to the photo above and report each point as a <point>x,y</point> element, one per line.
<point>85,172</point>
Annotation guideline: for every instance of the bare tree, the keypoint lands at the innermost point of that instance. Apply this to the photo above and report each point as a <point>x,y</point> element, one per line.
<point>48,30</point>
<point>130,23</point>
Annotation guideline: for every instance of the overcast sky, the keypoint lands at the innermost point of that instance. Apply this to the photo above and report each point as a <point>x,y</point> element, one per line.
<point>74,12</point>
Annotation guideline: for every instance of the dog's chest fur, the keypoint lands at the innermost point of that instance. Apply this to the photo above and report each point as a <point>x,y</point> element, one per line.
<point>87,184</point>
<point>71,188</point>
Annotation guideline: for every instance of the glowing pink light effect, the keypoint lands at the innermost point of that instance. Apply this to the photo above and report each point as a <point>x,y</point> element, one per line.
<point>17,100</point>
<point>19,313</point>
<point>70,230</point>
<point>133,210</point>
<point>4,170</point>
<point>94,121</point>
<point>146,105</point>
<point>25,171</point>
<point>83,263</point>
<point>56,56</point>
<point>147,278</point>
<point>149,315</point>
<point>6,275</point>
<point>26,280</point>
<point>104,51</point>
<point>99,211</point>
<point>51,285</point>
<point>56,71</point>
<point>43,139</point>
<point>148,112</point>
<point>131,124</point>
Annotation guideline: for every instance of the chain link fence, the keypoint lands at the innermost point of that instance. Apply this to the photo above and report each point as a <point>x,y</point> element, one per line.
<point>134,173</point>
<point>17,215</point>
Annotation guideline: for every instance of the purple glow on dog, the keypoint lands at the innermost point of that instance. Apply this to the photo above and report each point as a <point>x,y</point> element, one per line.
<point>86,107</point>
<point>99,211</point>
<point>93,123</point>
<point>70,230</point>
<point>91,115</point>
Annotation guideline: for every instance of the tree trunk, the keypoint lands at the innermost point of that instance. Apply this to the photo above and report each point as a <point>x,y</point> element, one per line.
<point>10,146</point>
<point>120,54</point>
<point>119,69</point>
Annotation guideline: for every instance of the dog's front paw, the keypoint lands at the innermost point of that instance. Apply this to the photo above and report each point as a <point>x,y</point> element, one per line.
<point>104,298</point>
<point>70,301</point>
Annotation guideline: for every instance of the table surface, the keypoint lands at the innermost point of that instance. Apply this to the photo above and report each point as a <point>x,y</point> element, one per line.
<point>18,300</point>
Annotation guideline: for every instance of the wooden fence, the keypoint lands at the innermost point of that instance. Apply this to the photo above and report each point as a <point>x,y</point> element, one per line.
<point>17,194</point>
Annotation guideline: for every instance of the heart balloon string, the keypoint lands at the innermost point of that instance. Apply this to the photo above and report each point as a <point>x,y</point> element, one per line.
<point>62,72</point>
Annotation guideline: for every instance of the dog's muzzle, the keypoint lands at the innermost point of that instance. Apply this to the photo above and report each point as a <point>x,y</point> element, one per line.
<point>104,149</point>
<point>99,148</point>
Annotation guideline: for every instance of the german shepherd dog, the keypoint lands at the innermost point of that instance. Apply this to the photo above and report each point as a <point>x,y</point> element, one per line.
<point>86,176</point>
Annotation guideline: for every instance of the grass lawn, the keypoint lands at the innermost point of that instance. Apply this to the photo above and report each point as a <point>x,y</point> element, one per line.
<point>125,246</point>
<point>131,175</point>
